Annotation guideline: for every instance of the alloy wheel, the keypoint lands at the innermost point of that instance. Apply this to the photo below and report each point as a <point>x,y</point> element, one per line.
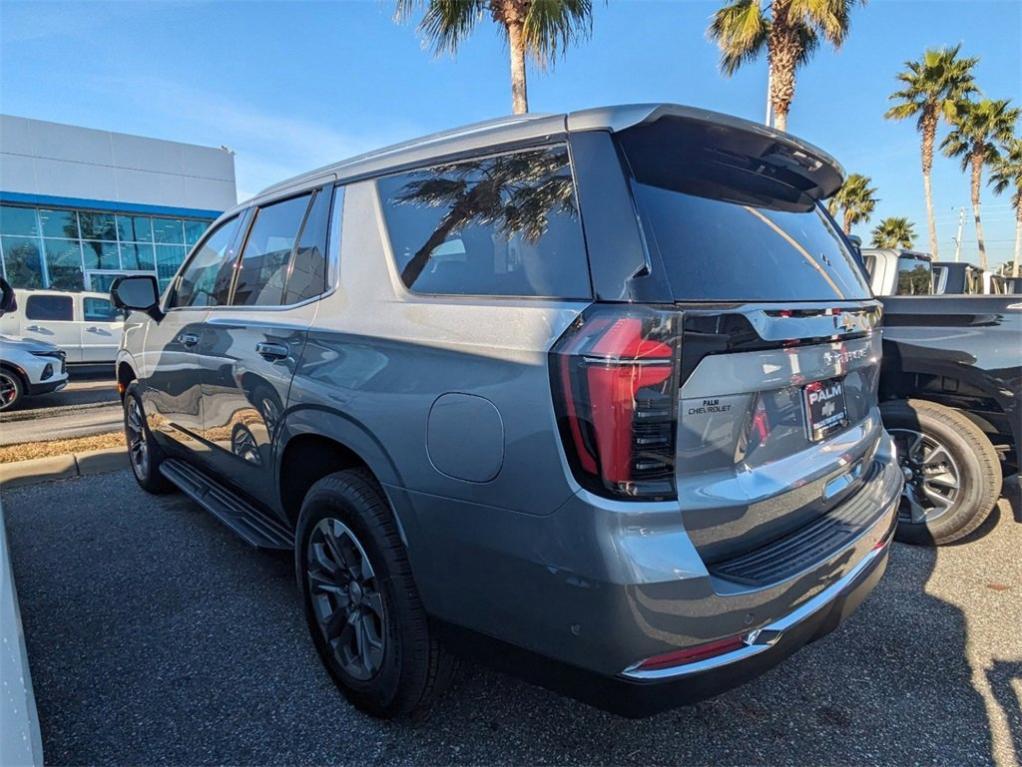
<point>134,431</point>
<point>346,599</point>
<point>932,477</point>
<point>8,391</point>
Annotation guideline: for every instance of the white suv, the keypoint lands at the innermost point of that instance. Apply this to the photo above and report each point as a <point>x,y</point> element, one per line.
<point>86,326</point>
<point>27,367</point>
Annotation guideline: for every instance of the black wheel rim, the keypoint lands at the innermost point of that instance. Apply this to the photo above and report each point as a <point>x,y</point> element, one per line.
<point>346,599</point>
<point>134,432</point>
<point>932,477</point>
<point>8,391</point>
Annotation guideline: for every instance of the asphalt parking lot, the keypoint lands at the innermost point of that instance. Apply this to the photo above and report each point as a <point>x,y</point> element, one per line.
<point>156,636</point>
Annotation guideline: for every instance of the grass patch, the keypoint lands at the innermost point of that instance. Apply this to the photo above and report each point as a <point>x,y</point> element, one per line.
<point>26,451</point>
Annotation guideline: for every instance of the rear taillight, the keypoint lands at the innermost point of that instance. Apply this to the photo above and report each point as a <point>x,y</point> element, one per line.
<point>614,375</point>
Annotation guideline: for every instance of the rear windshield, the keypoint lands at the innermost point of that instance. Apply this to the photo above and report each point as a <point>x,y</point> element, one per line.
<point>727,231</point>
<point>914,277</point>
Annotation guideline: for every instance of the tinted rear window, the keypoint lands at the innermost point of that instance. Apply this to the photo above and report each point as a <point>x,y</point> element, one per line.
<point>505,225</point>
<point>914,277</point>
<point>49,308</point>
<point>727,231</point>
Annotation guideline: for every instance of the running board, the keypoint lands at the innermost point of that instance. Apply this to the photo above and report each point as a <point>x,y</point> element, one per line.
<point>255,526</point>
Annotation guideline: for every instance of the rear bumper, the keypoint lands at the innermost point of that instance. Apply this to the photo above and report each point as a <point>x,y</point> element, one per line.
<point>641,693</point>
<point>598,586</point>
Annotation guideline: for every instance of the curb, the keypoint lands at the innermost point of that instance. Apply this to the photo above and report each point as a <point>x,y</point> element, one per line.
<point>21,473</point>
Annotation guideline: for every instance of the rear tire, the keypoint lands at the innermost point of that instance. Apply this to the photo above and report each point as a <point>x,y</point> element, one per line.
<point>361,602</point>
<point>144,454</point>
<point>406,666</point>
<point>952,472</point>
<point>11,389</point>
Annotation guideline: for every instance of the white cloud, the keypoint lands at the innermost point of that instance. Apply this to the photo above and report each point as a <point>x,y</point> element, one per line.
<point>269,147</point>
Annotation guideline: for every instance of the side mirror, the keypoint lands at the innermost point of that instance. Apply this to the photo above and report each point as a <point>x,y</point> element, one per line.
<point>137,292</point>
<point>8,301</point>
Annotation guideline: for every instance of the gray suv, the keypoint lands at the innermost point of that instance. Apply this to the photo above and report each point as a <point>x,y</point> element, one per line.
<point>594,395</point>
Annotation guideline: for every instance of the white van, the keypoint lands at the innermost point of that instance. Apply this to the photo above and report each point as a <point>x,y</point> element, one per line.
<point>86,326</point>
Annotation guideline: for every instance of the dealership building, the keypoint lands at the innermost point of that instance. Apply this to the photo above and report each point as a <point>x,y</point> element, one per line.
<point>79,207</point>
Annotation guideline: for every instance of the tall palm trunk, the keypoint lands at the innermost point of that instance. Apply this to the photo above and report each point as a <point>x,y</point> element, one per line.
<point>977,178</point>
<point>929,136</point>
<point>782,54</point>
<point>512,16</point>
<point>848,221</point>
<point>1018,241</point>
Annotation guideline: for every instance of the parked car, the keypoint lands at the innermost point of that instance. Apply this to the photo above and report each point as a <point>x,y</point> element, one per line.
<point>951,384</point>
<point>599,388</point>
<point>894,272</point>
<point>957,278</point>
<point>27,367</point>
<point>85,326</point>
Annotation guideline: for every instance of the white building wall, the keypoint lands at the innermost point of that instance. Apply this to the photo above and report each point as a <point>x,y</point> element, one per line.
<point>45,158</point>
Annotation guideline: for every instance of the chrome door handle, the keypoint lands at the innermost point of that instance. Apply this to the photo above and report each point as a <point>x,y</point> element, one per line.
<point>34,328</point>
<point>188,339</point>
<point>270,351</point>
<point>92,329</point>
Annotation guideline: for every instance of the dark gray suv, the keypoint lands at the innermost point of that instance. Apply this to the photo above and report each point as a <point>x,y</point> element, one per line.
<point>594,393</point>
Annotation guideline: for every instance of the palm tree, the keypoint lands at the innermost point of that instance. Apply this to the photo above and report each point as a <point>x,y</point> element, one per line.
<point>933,88</point>
<point>856,199</point>
<point>790,30</point>
<point>1006,171</point>
<point>977,128</point>
<point>542,28</point>
<point>894,232</point>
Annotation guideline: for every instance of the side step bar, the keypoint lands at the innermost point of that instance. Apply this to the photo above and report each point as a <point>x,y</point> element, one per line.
<point>255,526</point>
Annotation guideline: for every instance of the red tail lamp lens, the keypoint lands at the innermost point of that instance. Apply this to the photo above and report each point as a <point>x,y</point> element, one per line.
<point>614,374</point>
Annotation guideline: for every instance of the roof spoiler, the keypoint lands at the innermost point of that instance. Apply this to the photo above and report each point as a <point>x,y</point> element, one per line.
<point>822,174</point>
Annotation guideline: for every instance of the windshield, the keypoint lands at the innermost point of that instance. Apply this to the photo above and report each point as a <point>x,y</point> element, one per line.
<point>726,229</point>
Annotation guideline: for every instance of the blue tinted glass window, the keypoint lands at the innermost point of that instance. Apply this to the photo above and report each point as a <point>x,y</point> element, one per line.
<point>169,259</point>
<point>64,264</point>
<point>135,228</point>
<point>169,230</point>
<point>18,221</point>
<point>137,255</point>
<point>97,226</point>
<point>194,231</point>
<point>59,223</point>
<point>22,261</point>
<point>100,255</point>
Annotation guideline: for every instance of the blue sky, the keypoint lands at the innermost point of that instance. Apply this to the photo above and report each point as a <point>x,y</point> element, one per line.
<point>289,86</point>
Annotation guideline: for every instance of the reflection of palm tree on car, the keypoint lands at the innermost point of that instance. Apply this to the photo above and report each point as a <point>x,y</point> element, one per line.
<point>515,193</point>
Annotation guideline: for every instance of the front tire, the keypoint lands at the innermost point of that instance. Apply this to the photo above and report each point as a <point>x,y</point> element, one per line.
<point>952,472</point>
<point>144,454</point>
<point>11,389</point>
<point>360,599</point>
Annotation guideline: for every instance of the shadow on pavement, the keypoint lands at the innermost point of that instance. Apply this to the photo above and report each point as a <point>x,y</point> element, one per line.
<point>155,635</point>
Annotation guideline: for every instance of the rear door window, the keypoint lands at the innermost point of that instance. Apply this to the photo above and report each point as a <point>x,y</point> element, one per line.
<point>267,254</point>
<point>49,308</point>
<point>727,230</point>
<point>506,225</point>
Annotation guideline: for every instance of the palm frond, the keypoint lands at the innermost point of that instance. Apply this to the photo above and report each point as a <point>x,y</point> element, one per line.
<point>551,26</point>
<point>446,23</point>
<point>740,30</point>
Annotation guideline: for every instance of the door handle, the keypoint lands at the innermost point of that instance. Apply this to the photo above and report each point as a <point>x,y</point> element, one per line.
<point>34,328</point>
<point>271,351</point>
<point>188,339</point>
